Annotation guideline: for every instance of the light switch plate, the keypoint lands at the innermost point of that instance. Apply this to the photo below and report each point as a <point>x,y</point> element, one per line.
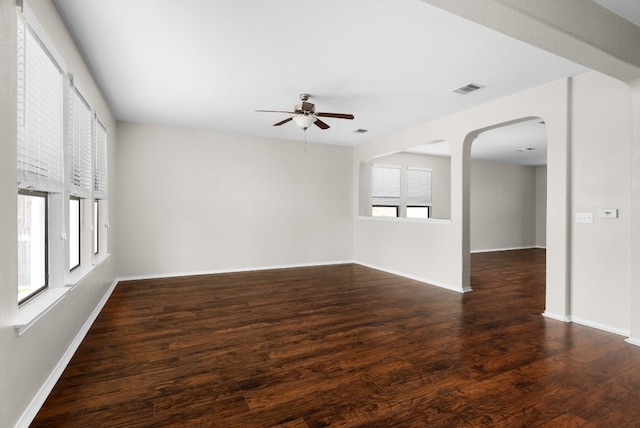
<point>609,213</point>
<point>584,218</point>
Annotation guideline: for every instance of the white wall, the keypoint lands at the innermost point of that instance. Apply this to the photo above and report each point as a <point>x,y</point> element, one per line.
<point>589,132</point>
<point>601,178</point>
<point>200,201</point>
<point>447,262</point>
<point>503,206</point>
<point>27,361</point>
<point>541,206</point>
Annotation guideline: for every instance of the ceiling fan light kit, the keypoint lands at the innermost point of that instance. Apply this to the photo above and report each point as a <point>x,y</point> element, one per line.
<point>304,115</point>
<point>304,121</point>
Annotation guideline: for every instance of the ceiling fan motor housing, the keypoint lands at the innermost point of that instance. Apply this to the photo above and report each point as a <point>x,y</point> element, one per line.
<point>305,108</point>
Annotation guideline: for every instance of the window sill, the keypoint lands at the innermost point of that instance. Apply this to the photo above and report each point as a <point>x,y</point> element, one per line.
<point>35,309</point>
<point>40,305</point>
<point>81,273</point>
<point>407,220</point>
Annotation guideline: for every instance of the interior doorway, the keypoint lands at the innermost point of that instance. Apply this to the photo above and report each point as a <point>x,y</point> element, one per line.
<point>508,192</point>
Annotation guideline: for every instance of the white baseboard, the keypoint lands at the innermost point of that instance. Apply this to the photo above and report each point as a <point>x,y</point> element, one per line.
<point>417,278</point>
<point>591,324</point>
<point>633,340</point>
<point>603,327</point>
<point>231,270</point>
<point>504,249</point>
<point>563,318</point>
<point>36,403</point>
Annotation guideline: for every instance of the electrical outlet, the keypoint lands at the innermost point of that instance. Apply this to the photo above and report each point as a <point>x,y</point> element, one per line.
<point>584,218</point>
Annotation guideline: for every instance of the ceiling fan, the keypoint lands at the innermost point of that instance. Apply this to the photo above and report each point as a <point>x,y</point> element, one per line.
<point>305,115</point>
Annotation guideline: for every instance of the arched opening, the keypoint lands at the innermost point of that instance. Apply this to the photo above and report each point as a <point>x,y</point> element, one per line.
<point>508,192</point>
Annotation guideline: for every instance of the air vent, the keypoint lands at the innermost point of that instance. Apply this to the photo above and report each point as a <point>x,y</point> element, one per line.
<point>468,88</point>
<point>361,131</point>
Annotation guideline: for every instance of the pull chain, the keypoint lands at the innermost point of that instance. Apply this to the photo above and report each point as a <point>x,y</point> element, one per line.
<point>305,139</point>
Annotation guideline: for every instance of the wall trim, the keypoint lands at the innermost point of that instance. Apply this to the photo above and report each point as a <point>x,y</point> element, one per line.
<point>563,318</point>
<point>633,341</point>
<point>603,327</point>
<point>417,278</point>
<point>506,249</point>
<point>231,270</point>
<point>38,400</point>
<point>592,324</point>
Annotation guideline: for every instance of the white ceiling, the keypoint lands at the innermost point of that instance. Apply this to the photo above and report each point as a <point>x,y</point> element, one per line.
<point>211,63</point>
<point>628,9</point>
<point>523,143</point>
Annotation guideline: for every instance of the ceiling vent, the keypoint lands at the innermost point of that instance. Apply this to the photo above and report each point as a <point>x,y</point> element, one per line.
<point>469,87</point>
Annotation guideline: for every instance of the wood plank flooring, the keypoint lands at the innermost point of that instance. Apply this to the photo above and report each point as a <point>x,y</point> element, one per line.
<point>345,346</point>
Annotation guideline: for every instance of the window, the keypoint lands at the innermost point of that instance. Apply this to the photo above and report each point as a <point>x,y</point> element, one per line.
<point>381,211</point>
<point>96,220</point>
<point>74,233</point>
<point>398,191</point>
<point>32,244</point>
<point>100,166</point>
<point>418,212</point>
<point>418,192</point>
<point>385,190</point>
<point>40,159</point>
<point>40,115</point>
<point>79,147</point>
<point>100,184</point>
<point>62,168</point>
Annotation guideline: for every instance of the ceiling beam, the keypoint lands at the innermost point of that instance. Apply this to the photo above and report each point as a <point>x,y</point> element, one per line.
<point>579,30</point>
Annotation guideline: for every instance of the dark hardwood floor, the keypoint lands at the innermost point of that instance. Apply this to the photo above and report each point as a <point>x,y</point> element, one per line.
<point>345,346</point>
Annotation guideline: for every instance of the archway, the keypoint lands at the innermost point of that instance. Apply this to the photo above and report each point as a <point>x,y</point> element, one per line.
<point>508,189</point>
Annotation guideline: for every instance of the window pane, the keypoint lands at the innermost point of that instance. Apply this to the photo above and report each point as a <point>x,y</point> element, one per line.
<point>74,233</point>
<point>417,212</point>
<point>384,211</point>
<point>96,217</point>
<point>32,245</point>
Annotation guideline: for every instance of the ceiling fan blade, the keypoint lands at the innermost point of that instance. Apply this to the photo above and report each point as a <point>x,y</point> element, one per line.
<point>320,124</point>
<point>274,111</point>
<point>336,115</point>
<point>282,122</point>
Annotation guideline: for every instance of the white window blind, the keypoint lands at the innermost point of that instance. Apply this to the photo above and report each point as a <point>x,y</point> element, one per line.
<point>385,185</point>
<point>80,119</point>
<point>40,115</point>
<point>100,168</point>
<point>418,187</point>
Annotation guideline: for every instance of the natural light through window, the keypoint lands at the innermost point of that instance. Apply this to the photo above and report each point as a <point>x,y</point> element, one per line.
<point>378,211</point>
<point>417,212</point>
<point>74,233</point>
<point>96,235</point>
<point>32,244</point>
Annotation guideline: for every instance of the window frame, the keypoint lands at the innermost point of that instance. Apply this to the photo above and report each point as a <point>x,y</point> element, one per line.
<point>78,234</point>
<point>428,208</point>
<point>407,197</point>
<point>45,286</point>
<point>396,207</point>
<point>96,227</point>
